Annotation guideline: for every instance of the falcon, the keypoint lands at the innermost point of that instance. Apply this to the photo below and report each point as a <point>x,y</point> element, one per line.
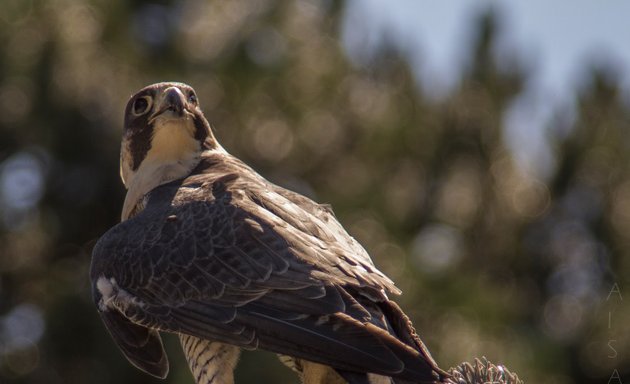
<point>211,251</point>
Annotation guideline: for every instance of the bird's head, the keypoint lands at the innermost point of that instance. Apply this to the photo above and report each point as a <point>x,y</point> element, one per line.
<point>164,135</point>
<point>163,126</point>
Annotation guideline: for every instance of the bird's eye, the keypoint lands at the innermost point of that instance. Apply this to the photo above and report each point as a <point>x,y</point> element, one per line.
<point>192,98</point>
<point>141,105</point>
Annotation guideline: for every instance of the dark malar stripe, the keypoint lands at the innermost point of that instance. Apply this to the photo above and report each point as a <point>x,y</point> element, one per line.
<point>139,142</point>
<point>202,129</point>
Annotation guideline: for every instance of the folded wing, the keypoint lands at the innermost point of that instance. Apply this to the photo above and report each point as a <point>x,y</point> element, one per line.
<point>232,258</point>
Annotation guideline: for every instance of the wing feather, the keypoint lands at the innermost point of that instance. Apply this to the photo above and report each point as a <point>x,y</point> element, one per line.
<point>241,261</point>
<point>142,346</point>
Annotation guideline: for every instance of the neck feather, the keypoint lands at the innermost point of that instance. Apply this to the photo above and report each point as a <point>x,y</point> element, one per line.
<point>152,175</point>
<point>173,154</point>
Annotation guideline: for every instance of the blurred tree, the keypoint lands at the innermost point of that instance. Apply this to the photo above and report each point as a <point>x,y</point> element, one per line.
<point>493,261</point>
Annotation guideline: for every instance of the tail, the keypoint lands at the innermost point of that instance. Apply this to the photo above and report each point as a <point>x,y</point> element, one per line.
<point>401,327</point>
<point>419,367</point>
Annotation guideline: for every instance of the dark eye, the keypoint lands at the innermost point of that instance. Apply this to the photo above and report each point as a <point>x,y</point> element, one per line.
<point>192,98</point>
<point>141,105</point>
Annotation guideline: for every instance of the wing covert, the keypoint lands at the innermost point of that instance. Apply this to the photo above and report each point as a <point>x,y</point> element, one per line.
<point>231,259</point>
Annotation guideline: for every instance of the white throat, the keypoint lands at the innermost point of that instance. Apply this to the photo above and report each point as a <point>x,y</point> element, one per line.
<point>173,155</point>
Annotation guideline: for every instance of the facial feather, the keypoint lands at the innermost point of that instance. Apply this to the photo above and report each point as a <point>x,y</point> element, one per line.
<point>165,133</point>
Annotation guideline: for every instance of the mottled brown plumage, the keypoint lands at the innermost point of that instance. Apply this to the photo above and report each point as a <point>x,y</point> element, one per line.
<point>220,255</point>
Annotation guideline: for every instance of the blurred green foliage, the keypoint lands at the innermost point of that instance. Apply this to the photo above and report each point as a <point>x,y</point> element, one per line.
<point>492,260</point>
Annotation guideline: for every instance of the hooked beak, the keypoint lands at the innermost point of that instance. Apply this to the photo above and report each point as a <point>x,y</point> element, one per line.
<point>173,101</point>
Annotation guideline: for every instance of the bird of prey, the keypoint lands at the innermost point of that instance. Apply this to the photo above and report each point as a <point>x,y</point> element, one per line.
<point>211,251</point>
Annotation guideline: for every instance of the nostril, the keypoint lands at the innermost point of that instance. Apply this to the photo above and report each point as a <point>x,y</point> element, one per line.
<point>174,99</point>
